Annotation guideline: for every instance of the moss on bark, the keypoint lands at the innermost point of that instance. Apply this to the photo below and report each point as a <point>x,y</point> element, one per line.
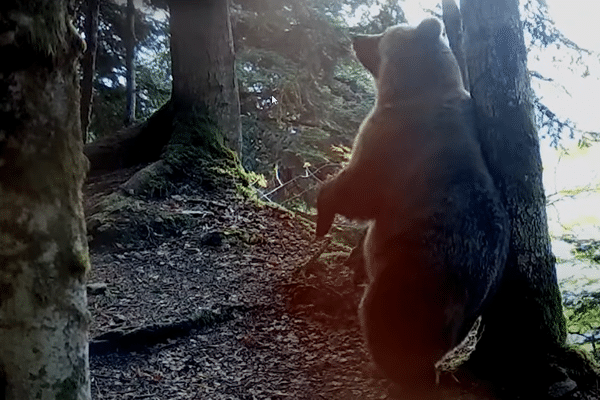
<point>43,246</point>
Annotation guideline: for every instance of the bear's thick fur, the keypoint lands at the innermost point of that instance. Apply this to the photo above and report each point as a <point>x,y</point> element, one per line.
<point>438,236</point>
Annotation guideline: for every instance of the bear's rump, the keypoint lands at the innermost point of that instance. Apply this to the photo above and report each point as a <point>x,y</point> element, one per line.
<point>411,316</point>
<point>430,280</point>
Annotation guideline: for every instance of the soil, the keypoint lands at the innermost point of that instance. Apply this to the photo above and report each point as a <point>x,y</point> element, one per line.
<point>207,294</point>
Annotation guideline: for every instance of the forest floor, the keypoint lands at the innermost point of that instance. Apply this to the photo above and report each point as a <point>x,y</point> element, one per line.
<point>206,294</point>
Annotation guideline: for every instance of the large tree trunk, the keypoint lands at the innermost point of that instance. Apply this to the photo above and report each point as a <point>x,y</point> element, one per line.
<point>88,64</point>
<point>43,248</point>
<point>205,109</point>
<point>137,144</point>
<point>205,97</point>
<point>203,67</point>
<point>525,322</point>
<point>130,63</point>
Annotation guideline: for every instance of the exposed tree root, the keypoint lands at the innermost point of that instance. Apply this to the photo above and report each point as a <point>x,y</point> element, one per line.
<point>127,341</point>
<point>138,144</point>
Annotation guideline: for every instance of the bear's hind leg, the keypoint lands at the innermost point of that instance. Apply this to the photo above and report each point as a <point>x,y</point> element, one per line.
<point>408,313</point>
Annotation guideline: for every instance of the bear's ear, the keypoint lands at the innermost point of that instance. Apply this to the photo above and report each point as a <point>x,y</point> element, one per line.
<point>430,28</point>
<point>366,48</point>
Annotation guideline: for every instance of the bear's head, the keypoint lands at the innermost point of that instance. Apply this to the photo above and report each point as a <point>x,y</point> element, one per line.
<point>407,60</point>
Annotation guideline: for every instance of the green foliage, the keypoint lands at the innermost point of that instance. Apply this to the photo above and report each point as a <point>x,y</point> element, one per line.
<point>108,111</point>
<point>153,70</point>
<point>582,309</point>
<point>588,250</point>
<point>542,33</point>
<point>303,94</point>
<point>352,72</point>
<point>359,81</point>
<point>110,59</point>
<point>343,152</point>
<point>583,319</point>
<point>153,67</point>
<point>386,13</point>
<point>541,27</point>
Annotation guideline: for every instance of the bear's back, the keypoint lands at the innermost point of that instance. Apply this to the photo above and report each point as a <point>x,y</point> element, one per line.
<point>419,156</point>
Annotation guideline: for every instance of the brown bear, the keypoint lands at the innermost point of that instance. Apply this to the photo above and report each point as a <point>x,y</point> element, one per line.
<point>438,237</point>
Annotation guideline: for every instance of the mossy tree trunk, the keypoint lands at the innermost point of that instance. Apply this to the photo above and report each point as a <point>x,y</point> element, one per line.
<point>204,106</point>
<point>525,323</point>
<point>43,248</point>
<point>202,119</point>
<point>203,65</point>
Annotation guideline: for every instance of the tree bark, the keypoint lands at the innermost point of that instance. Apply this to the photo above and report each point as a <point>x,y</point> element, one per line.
<point>525,323</point>
<point>137,144</point>
<point>88,64</point>
<point>204,97</point>
<point>456,37</point>
<point>203,65</point>
<point>43,247</point>
<point>130,63</point>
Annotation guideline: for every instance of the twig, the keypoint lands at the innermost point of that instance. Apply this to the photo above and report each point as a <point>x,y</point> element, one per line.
<point>321,250</point>
<point>307,174</point>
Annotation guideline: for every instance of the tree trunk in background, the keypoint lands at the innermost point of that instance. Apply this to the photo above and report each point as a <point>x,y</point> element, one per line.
<point>456,37</point>
<point>43,247</point>
<point>525,322</point>
<point>203,64</point>
<point>202,118</point>
<point>130,63</point>
<point>88,64</point>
